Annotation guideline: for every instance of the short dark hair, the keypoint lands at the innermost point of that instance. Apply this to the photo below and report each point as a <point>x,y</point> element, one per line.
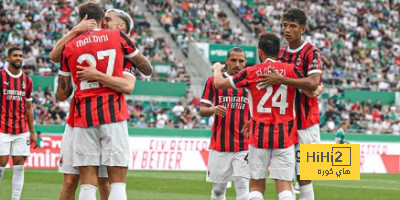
<point>236,49</point>
<point>269,43</point>
<point>295,15</point>
<point>13,49</point>
<point>92,10</point>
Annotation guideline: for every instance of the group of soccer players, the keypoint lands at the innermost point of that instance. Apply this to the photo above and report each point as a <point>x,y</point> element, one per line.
<point>281,112</point>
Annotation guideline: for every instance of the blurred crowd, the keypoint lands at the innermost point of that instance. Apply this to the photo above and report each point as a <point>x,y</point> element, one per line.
<point>36,25</point>
<point>197,20</point>
<point>359,40</point>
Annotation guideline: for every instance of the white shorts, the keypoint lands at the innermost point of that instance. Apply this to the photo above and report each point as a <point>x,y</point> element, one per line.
<point>222,166</point>
<point>14,145</point>
<point>310,135</point>
<point>280,162</point>
<point>65,165</point>
<point>107,144</point>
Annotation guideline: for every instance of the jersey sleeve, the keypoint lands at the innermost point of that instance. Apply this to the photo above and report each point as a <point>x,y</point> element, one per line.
<point>64,70</point>
<point>29,90</point>
<point>314,62</point>
<point>128,47</point>
<point>240,79</point>
<point>129,68</point>
<point>339,135</point>
<point>209,92</point>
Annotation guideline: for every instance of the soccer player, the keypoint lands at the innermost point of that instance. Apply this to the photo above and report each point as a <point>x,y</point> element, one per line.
<point>100,113</point>
<point>114,19</point>
<point>307,59</point>
<point>228,148</point>
<point>340,133</point>
<point>273,132</point>
<point>16,116</point>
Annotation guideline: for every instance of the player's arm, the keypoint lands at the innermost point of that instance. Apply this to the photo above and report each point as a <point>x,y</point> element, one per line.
<point>307,83</point>
<point>142,63</point>
<point>29,114</point>
<point>316,93</point>
<point>219,81</point>
<point>64,87</point>
<point>83,26</point>
<point>124,84</point>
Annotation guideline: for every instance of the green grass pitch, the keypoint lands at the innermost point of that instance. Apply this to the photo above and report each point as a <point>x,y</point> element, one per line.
<point>167,185</point>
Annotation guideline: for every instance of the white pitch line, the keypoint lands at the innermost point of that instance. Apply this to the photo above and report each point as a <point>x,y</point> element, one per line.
<point>358,187</point>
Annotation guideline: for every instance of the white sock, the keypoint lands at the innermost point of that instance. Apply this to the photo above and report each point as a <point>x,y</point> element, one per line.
<point>241,188</point>
<point>117,191</point>
<point>88,192</point>
<point>307,192</point>
<point>286,195</point>
<point>293,192</point>
<point>256,195</point>
<point>218,191</point>
<point>2,170</point>
<point>17,182</point>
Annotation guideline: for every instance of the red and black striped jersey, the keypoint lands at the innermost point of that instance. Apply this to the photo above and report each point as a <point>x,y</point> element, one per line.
<point>226,136</point>
<point>96,104</point>
<point>307,59</point>
<point>16,90</point>
<point>272,107</point>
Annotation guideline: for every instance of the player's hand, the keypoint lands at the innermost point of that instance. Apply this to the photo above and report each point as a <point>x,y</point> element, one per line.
<point>246,129</point>
<point>220,111</point>
<point>85,25</point>
<point>217,66</point>
<point>33,138</point>
<point>272,78</point>
<point>88,73</point>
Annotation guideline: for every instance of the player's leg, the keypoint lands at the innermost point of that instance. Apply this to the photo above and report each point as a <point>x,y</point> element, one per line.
<point>115,155</point>
<point>5,151</point>
<point>282,171</point>
<point>241,175</point>
<point>104,184</point>
<point>311,135</point>
<point>71,174</point>
<point>86,156</point>
<point>69,186</point>
<point>18,176</point>
<point>19,151</point>
<point>219,172</point>
<point>259,160</point>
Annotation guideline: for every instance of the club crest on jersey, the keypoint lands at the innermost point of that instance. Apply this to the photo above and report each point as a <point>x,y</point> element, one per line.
<point>298,61</point>
<point>23,85</point>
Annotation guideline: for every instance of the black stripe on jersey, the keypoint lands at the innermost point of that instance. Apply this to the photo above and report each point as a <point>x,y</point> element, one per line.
<point>296,71</point>
<point>125,51</point>
<point>216,117</point>
<point>290,124</point>
<point>297,57</point>
<point>306,107</point>
<point>281,140</point>
<point>14,106</point>
<point>271,136</point>
<point>260,134</point>
<point>298,110</point>
<point>290,58</point>
<point>88,111</point>
<point>254,128</point>
<point>100,112</point>
<point>284,55</point>
<point>111,107</point>
<point>232,125</point>
<point>78,107</point>
<point>21,80</point>
<point>241,119</point>
<point>210,92</point>
<point>119,101</point>
<point>125,37</point>
<point>7,105</point>
<point>1,96</point>
<point>315,56</point>
<point>240,78</point>
<point>223,124</point>
<point>305,61</point>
